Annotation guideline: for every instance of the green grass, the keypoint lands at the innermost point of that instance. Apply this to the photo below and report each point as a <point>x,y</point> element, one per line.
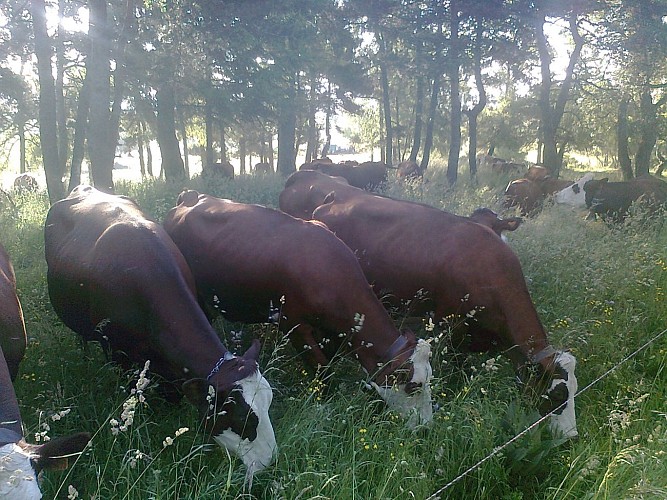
<point>600,292</point>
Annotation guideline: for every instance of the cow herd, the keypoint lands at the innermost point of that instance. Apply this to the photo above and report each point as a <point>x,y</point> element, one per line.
<point>611,201</point>
<point>325,268</point>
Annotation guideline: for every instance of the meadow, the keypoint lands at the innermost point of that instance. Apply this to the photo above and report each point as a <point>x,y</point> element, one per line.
<point>599,290</point>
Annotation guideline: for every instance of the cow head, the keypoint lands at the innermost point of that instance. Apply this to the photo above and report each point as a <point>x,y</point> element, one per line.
<point>561,387</point>
<point>234,405</point>
<point>403,382</point>
<point>21,463</point>
<point>592,189</point>
<point>574,195</point>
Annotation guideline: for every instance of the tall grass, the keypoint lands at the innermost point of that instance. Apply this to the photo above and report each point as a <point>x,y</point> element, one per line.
<point>599,290</point>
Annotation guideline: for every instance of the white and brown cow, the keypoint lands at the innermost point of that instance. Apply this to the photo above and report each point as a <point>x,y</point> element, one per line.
<point>574,194</point>
<point>19,461</point>
<point>247,258</point>
<point>116,277</point>
<point>462,266</point>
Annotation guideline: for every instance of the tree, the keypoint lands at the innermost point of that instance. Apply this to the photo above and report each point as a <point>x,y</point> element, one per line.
<point>47,103</point>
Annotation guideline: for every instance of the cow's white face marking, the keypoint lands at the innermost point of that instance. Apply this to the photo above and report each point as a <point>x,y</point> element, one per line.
<point>574,195</point>
<point>258,453</point>
<point>18,480</point>
<point>416,407</point>
<point>565,423</point>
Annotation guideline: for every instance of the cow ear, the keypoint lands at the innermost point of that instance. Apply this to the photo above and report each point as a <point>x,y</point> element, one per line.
<point>196,390</point>
<point>253,351</point>
<point>53,454</point>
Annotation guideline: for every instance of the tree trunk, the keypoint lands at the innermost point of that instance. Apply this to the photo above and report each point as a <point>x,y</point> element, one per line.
<point>475,111</point>
<point>454,97</point>
<point>287,134</point>
<point>223,144</point>
<point>61,111</point>
<point>622,137</point>
<point>184,141</point>
<point>648,112</point>
<point>386,104</point>
<point>20,125</point>
<point>97,64</point>
<point>552,116</point>
<point>140,146</point>
<point>172,162</point>
<point>327,126</point>
<point>430,123</point>
<point>47,103</point>
<point>210,154</point>
<point>419,111</point>
<point>80,127</point>
<point>242,154</point>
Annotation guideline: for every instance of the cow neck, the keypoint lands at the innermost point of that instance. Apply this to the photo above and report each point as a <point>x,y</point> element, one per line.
<point>10,418</point>
<point>187,339</point>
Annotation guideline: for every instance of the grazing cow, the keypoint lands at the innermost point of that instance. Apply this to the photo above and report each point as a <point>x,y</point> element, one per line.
<point>116,277</point>
<point>573,194</point>
<point>409,170</point>
<point>20,462</point>
<point>459,266</point>
<point>613,199</point>
<point>245,258</point>
<point>500,166</point>
<point>219,170</point>
<point>25,182</point>
<point>263,168</point>
<point>536,173</point>
<point>12,326</point>
<point>368,175</point>
<point>524,194</point>
<point>489,218</point>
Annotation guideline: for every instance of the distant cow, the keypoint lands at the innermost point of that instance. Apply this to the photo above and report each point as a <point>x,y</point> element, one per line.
<point>25,182</point>
<point>255,264</point>
<point>409,170</point>
<point>367,175</point>
<point>500,165</point>
<point>613,199</point>
<point>219,170</point>
<point>573,194</point>
<point>530,192</point>
<point>446,264</point>
<point>263,168</point>
<point>116,277</point>
<point>524,194</point>
<point>20,462</point>
<point>12,326</point>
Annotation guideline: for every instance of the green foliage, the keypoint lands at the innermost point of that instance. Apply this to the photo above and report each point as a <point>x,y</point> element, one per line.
<point>599,290</point>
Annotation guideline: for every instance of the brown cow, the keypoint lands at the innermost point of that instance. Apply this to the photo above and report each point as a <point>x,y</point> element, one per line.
<point>116,277</point>
<point>463,267</point>
<point>368,175</point>
<point>524,194</point>
<point>12,326</point>
<point>409,169</point>
<point>20,461</point>
<point>219,170</point>
<point>247,258</point>
<point>263,168</point>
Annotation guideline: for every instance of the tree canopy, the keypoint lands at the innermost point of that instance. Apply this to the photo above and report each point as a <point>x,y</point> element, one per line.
<point>232,77</point>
